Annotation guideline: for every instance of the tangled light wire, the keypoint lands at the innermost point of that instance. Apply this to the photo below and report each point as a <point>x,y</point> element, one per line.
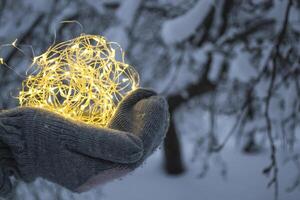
<point>80,79</point>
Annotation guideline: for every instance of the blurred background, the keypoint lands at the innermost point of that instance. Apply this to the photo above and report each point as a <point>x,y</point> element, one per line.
<point>228,68</point>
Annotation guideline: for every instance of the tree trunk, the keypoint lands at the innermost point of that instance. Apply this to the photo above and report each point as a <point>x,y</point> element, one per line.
<point>172,151</point>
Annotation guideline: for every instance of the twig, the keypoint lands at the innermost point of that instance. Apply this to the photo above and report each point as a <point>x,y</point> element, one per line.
<point>273,166</point>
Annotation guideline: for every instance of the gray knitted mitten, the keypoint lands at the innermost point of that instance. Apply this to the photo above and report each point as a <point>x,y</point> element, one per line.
<point>37,143</point>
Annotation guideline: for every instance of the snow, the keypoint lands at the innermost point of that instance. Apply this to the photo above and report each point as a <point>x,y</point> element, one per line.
<point>278,14</point>
<point>69,11</point>
<point>126,12</point>
<point>125,15</point>
<point>243,181</point>
<point>218,18</point>
<point>39,6</point>
<point>214,72</point>
<point>96,5</point>
<point>240,67</point>
<point>178,29</point>
<point>117,34</point>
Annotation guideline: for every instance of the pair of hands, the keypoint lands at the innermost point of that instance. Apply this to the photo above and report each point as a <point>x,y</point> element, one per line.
<point>37,143</point>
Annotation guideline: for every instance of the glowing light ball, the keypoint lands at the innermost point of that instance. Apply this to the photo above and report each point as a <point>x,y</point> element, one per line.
<point>80,79</point>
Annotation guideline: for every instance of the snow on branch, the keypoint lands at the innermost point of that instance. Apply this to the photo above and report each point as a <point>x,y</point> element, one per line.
<point>178,29</point>
<point>126,15</point>
<point>127,11</point>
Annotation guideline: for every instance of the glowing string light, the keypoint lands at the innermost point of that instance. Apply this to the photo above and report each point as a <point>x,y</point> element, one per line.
<point>80,79</point>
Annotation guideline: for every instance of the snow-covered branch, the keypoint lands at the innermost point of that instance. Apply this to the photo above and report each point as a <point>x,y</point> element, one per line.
<point>179,29</point>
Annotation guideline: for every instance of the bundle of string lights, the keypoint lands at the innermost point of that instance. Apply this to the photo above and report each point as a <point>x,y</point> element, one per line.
<point>80,79</point>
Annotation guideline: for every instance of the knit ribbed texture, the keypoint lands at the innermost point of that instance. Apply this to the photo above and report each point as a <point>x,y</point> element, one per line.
<point>36,143</point>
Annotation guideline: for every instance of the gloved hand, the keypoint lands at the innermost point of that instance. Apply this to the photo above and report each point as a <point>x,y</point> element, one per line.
<point>37,143</point>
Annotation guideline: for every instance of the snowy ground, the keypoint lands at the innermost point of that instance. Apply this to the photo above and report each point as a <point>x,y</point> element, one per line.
<point>244,181</point>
